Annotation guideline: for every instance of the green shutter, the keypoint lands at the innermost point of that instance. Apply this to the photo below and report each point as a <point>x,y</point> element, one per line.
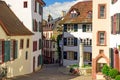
<point>7,51</point>
<point>16,49</point>
<point>75,41</point>
<point>84,28</point>
<point>75,27</point>
<point>65,41</point>
<point>40,59</point>
<point>65,27</point>
<point>111,57</point>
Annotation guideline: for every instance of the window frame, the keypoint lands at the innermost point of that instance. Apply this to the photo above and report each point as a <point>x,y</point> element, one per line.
<point>99,11</point>
<point>21,43</point>
<point>98,38</point>
<point>28,43</point>
<point>25,4</point>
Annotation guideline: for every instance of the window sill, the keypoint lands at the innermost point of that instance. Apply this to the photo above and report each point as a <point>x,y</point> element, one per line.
<point>101,45</point>
<point>69,45</point>
<point>99,73</point>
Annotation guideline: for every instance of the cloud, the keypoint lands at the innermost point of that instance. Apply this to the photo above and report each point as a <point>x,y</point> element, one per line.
<point>56,9</point>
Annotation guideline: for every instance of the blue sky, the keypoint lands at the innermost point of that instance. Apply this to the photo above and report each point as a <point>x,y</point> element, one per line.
<point>50,2</point>
<point>55,7</point>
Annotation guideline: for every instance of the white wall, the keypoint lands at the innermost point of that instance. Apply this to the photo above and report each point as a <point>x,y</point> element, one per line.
<point>115,8</point>
<point>114,40</point>
<point>79,35</point>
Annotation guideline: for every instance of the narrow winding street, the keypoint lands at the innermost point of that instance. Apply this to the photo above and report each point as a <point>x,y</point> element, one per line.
<point>51,72</point>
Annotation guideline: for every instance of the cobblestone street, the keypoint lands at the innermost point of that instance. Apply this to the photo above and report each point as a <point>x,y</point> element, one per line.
<point>51,72</point>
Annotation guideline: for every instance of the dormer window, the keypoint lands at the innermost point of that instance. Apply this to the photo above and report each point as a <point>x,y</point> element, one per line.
<point>74,13</point>
<point>89,14</point>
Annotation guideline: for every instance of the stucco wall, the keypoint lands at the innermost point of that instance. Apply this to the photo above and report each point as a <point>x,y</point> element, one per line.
<point>20,65</point>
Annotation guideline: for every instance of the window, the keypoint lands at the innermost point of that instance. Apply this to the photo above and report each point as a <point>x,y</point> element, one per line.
<point>21,43</point>
<point>89,14</point>
<point>86,28</point>
<point>70,41</point>
<point>26,55</point>
<point>87,56</point>
<point>102,11</point>
<point>70,55</point>
<point>35,25</point>
<point>25,4</point>
<point>114,1</point>
<point>101,38</point>
<point>53,45</point>
<point>34,45</point>
<point>70,27</point>
<point>27,43</point>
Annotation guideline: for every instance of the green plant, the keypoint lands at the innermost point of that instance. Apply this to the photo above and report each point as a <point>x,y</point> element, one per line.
<point>105,70</point>
<point>113,73</point>
<point>117,77</point>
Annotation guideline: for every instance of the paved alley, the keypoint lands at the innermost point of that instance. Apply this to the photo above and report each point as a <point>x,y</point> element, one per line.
<point>51,72</point>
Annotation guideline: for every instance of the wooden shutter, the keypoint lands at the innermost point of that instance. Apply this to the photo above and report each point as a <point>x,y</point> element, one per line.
<point>75,27</point>
<point>65,27</point>
<point>111,57</point>
<point>1,51</point>
<point>7,51</point>
<point>33,21</point>
<point>75,55</point>
<point>75,41</point>
<point>65,41</point>
<point>16,49</point>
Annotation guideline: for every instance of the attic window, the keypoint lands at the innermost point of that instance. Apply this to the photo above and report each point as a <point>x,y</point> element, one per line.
<point>74,14</point>
<point>89,14</point>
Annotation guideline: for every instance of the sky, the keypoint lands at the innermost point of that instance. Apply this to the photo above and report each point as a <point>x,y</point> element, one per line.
<point>55,7</point>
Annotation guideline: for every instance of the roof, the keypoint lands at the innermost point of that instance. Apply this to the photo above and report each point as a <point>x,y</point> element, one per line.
<point>41,2</point>
<point>83,8</point>
<point>10,23</point>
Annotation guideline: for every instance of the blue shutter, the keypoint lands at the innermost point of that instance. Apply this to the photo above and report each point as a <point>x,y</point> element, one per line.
<point>75,41</point>
<point>7,51</point>
<point>65,27</point>
<point>16,49</point>
<point>64,55</point>
<point>75,27</point>
<point>65,41</point>
<point>75,55</point>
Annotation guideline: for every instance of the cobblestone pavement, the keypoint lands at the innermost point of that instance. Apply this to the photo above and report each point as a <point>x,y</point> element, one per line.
<point>51,72</point>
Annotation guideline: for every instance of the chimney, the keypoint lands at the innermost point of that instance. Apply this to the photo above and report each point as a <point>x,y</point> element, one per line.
<point>63,13</point>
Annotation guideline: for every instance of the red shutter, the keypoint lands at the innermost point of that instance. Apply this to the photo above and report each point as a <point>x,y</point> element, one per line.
<point>34,45</point>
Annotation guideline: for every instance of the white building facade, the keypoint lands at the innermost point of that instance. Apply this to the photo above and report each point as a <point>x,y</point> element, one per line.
<point>30,12</point>
<point>106,35</point>
<point>77,35</point>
